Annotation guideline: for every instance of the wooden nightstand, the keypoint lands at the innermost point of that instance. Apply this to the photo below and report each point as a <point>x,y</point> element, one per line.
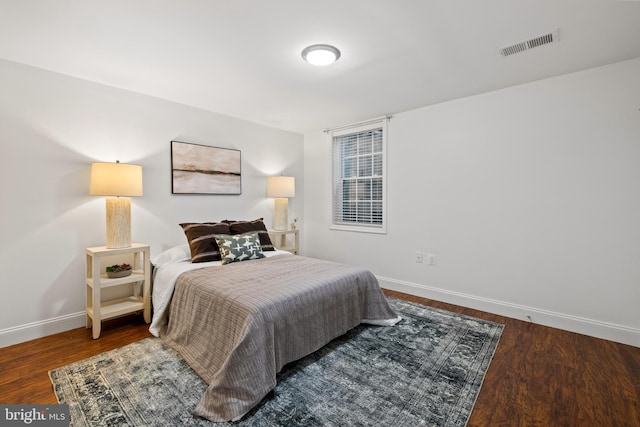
<point>96,280</point>
<point>279,240</point>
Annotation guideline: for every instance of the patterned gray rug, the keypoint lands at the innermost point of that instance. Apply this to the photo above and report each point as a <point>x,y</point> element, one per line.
<point>425,371</point>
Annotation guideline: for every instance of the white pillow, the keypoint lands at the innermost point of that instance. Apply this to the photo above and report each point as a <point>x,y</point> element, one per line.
<point>175,254</point>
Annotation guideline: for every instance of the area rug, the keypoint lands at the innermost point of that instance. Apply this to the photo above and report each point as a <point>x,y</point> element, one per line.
<point>425,371</point>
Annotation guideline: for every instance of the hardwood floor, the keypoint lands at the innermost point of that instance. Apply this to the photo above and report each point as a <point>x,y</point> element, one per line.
<point>24,368</point>
<point>539,376</point>
<point>542,377</point>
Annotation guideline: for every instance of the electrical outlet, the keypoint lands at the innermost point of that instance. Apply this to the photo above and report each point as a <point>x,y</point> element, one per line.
<point>418,256</point>
<point>431,259</point>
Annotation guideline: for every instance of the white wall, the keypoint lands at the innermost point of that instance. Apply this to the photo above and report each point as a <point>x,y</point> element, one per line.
<point>529,196</point>
<point>51,128</point>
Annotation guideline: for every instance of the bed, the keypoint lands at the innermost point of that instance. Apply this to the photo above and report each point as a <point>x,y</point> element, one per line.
<point>238,324</point>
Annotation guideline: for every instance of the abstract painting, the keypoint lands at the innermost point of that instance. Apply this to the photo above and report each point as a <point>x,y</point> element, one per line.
<point>201,169</point>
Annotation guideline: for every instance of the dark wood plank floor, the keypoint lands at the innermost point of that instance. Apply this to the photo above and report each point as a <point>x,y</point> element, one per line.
<point>539,376</point>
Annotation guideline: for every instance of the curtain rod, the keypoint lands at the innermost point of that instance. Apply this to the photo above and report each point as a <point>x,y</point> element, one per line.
<point>353,125</point>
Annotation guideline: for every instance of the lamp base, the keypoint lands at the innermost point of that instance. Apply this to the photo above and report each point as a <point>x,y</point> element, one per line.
<point>281,214</point>
<point>118,222</point>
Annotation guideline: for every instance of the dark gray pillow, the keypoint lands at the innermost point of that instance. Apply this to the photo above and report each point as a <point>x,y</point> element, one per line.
<point>239,247</point>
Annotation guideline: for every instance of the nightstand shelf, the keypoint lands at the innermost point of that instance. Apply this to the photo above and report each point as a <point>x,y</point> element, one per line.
<point>106,282</point>
<point>118,307</point>
<point>279,240</point>
<point>139,280</point>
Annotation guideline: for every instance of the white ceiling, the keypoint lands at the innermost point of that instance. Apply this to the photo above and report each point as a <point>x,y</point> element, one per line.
<point>242,57</point>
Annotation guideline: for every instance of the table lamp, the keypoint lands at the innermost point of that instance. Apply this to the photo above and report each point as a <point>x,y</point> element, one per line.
<point>281,188</point>
<point>119,181</point>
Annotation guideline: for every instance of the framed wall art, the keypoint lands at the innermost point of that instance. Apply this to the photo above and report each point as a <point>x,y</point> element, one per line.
<point>201,169</point>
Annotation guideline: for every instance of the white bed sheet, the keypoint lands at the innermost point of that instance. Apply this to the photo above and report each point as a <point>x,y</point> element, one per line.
<point>165,276</point>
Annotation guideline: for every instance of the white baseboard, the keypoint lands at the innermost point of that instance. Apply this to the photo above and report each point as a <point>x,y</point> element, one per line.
<point>581,325</point>
<point>31,331</point>
<point>594,328</point>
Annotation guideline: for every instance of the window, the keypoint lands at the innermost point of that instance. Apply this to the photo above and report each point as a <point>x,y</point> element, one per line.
<point>359,178</point>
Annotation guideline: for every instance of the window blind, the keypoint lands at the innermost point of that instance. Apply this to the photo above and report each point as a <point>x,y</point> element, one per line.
<point>358,177</point>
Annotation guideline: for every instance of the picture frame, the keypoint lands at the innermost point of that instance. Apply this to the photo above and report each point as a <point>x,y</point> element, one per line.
<point>203,169</point>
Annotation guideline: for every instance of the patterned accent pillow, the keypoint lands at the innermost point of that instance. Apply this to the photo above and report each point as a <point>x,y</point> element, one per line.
<point>241,227</point>
<point>202,241</point>
<point>239,247</point>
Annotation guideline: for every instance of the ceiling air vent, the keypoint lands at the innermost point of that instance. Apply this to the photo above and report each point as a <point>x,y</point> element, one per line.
<point>530,44</point>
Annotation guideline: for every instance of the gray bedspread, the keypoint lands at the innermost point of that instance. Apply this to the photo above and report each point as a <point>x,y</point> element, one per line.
<point>239,324</point>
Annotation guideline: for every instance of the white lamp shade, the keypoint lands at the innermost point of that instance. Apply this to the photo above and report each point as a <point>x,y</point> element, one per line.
<point>115,179</point>
<point>281,186</point>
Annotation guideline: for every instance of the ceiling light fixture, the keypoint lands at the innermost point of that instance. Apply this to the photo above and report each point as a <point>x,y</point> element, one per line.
<point>320,54</point>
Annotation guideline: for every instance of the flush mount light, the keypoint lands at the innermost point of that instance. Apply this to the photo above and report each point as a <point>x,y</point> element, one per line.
<point>320,54</point>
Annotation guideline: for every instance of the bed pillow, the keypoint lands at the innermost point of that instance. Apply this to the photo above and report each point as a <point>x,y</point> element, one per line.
<point>239,247</point>
<point>175,254</point>
<point>202,241</point>
<point>241,227</point>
